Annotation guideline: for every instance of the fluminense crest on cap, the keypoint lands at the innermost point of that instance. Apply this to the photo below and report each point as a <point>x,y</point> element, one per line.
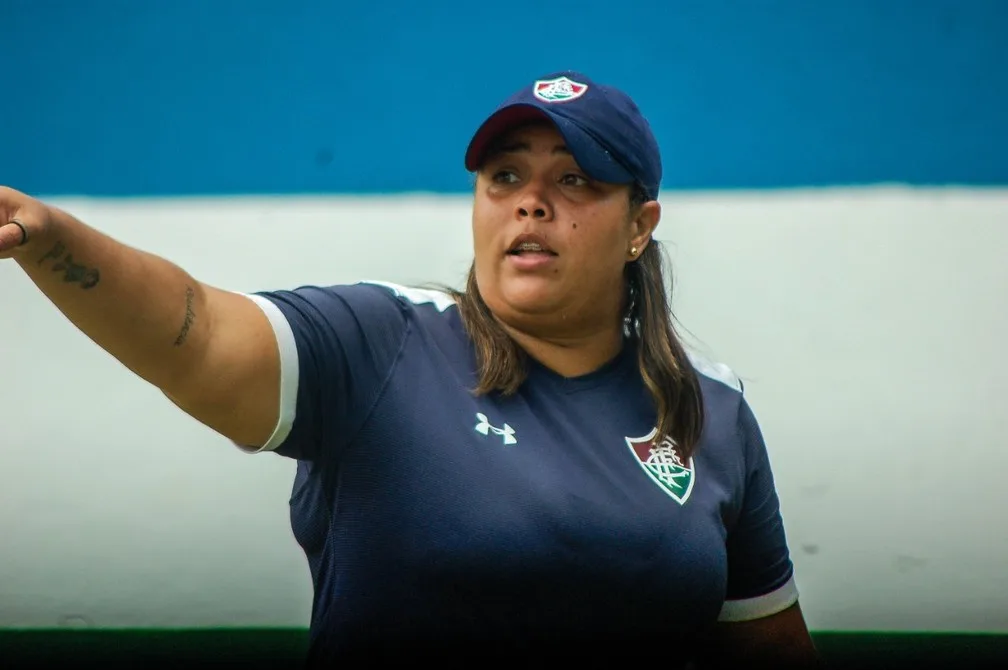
<point>560,89</point>
<point>602,128</point>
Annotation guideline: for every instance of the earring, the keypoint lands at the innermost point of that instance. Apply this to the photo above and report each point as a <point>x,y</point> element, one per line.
<point>633,251</point>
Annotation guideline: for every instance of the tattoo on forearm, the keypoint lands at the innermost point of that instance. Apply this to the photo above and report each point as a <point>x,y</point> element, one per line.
<point>73,272</point>
<point>190,316</point>
<point>55,253</point>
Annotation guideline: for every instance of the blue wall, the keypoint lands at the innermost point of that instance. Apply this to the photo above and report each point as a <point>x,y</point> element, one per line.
<point>128,97</point>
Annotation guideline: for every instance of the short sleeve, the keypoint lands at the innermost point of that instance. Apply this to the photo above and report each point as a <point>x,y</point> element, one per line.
<point>760,572</point>
<point>337,348</point>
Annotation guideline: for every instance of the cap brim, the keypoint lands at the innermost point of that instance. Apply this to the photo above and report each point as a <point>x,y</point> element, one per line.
<point>592,157</point>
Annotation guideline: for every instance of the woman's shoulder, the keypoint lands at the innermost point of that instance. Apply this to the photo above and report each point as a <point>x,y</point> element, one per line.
<point>714,372</point>
<point>411,297</point>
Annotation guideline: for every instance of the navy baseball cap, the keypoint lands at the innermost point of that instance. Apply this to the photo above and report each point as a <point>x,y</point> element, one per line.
<point>603,129</point>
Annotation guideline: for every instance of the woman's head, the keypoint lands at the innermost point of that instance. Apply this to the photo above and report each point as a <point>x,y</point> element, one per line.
<point>565,205</point>
<point>567,176</point>
<point>551,242</point>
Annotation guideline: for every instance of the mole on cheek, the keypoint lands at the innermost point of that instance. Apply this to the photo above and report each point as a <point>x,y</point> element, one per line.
<point>574,226</point>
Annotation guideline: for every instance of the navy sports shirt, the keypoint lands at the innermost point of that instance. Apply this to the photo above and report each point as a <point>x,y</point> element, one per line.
<point>438,521</point>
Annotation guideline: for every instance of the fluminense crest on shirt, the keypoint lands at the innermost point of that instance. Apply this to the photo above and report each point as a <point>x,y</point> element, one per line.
<point>560,89</point>
<point>664,465</point>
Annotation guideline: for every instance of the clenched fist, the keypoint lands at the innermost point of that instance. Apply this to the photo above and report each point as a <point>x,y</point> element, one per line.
<point>22,220</point>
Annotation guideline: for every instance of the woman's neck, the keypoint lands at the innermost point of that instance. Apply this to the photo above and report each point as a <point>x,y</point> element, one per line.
<point>570,356</point>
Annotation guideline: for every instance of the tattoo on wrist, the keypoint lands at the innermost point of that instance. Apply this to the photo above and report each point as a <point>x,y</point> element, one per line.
<point>73,272</point>
<point>190,316</point>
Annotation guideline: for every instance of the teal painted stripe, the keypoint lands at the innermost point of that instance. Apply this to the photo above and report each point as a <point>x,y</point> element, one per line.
<point>261,96</point>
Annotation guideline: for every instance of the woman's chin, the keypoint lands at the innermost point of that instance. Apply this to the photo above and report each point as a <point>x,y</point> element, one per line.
<point>530,296</point>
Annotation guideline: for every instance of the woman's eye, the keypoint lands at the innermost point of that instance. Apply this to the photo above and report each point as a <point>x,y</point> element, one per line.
<point>505,177</point>
<point>573,180</point>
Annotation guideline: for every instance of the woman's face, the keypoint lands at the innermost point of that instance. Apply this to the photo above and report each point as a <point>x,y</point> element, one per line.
<point>550,243</point>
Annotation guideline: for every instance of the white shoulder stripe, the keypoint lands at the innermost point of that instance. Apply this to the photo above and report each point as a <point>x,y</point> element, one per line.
<point>761,606</point>
<point>716,371</point>
<point>417,296</point>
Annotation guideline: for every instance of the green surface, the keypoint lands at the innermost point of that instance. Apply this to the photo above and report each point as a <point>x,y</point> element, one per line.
<point>262,648</point>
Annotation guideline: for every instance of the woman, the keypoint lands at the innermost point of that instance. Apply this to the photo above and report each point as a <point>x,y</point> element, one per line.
<point>533,465</point>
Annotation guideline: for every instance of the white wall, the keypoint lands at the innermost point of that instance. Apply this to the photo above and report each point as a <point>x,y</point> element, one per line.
<point>868,326</point>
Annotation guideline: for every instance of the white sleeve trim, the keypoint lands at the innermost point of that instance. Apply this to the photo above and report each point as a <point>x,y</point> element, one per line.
<point>289,373</point>
<point>761,606</point>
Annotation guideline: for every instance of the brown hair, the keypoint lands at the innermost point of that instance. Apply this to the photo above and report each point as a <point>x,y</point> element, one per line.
<point>664,365</point>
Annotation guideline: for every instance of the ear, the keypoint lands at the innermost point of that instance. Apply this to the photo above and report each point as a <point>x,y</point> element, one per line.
<point>642,226</point>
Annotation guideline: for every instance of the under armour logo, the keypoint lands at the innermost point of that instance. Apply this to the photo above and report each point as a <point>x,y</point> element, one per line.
<point>484,427</point>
